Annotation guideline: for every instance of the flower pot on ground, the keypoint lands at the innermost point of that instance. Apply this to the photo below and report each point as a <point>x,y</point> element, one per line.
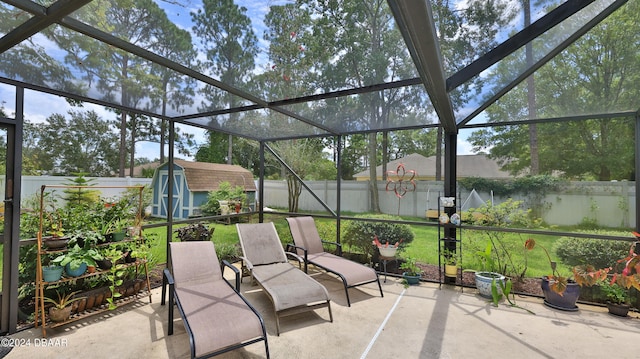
<point>560,292</point>
<point>566,300</point>
<point>483,282</point>
<point>52,273</point>
<point>412,273</point>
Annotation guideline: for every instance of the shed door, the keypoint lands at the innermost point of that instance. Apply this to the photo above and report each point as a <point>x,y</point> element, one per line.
<point>178,177</point>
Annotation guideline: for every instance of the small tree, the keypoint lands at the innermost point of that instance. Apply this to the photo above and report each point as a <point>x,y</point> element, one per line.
<point>498,250</point>
<point>360,234</point>
<point>224,193</point>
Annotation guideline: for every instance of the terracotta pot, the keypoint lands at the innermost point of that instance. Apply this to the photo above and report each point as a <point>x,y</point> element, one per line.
<point>59,315</point>
<point>82,305</point>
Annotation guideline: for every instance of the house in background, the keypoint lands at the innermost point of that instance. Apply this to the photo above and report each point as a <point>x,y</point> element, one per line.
<point>425,167</point>
<point>192,183</point>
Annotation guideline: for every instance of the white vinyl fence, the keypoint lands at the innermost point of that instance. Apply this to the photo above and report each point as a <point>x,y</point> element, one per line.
<point>609,204</point>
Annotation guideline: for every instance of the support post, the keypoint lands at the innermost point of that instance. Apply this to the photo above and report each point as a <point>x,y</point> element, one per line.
<point>450,162</point>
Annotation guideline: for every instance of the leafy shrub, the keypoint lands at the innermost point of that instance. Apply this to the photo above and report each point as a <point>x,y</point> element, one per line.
<point>225,192</point>
<point>194,232</point>
<point>600,253</point>
<point>227,251</point>
<point>359,234</point>
<point>497,254</point>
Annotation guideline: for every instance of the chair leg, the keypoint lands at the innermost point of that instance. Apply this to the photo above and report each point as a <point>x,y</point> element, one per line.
<point>380,286</point>
<point>164,289</point>
<point>171,299</point>
<point>346,291</point>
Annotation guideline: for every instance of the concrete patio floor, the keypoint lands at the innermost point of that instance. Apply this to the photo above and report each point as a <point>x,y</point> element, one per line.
<point>419,322</point>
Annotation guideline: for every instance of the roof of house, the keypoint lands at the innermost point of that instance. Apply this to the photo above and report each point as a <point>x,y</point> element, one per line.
<point>425,167</point>
<point>205,177</point>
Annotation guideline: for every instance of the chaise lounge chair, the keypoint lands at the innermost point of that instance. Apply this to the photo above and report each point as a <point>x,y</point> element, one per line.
<point>216,317</point>
<point>290,290</point>
<point>309,246</point>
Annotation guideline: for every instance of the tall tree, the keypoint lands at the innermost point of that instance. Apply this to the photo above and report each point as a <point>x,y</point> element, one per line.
<point>226,34</point>
<point>120,76</point>
<point>598,72</point>
<point>176,91</point>
<point>365,48</point>
<point>83,142</point>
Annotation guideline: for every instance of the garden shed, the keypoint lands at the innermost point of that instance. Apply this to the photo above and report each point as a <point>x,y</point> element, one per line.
<point>192,182</point>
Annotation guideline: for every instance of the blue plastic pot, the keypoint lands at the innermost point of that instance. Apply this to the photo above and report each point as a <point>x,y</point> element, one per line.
<point>75,273</point>
<point>51,273</point>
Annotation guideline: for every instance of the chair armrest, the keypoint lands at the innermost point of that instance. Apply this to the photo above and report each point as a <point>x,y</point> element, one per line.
<point>338,246</point>
<point>300,260</point>
<point>168,276</point>
<point>248,263</point>
<point>235,270</point>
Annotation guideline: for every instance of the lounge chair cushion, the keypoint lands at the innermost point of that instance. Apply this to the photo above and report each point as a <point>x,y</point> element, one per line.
<point>214,311</point>
<point>354,273</point>
<point>288,286</point>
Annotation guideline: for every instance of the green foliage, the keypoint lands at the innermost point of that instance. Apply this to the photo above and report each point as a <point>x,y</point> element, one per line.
<point>600,253</point>
<point>360,234</point>
<point>77,196</point>
<point>194,232</point>
<point>63,300</point>
<point>614,292</point>
<point>115,274</point>
<point>499,254</point>
<point>75,256</point>
<point>227,251</point>
<point>410,266</point>
<point>529,184</point>
<point>225,192</point>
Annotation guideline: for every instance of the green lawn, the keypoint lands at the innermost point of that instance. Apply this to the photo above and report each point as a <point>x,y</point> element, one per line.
<point>424,247</point>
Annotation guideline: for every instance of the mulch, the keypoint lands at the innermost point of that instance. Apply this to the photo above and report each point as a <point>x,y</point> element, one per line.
<point>431,273</point>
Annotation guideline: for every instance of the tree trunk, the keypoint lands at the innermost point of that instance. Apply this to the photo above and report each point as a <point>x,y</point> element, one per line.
<point>373,177</point>
<point>439,154</point>
<point>123,144</point>
<point>531,98</point>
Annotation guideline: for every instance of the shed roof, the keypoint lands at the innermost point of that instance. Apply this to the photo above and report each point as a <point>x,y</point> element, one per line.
<point>205,177</point>
<point>425,167</point>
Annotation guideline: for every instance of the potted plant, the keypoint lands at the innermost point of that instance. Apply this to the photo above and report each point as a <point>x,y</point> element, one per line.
<point>560,292</point>
<point>488,274</point>
<point>617,297</point>
<point>412,272</point>
<point>85,238</point>
<point>613,282</point>
<point>61,309</point>
<point>450,261</point>
<point>52,273</point>
<point>386,249</point>
<point>76,260</point>
<point>55,230</point>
